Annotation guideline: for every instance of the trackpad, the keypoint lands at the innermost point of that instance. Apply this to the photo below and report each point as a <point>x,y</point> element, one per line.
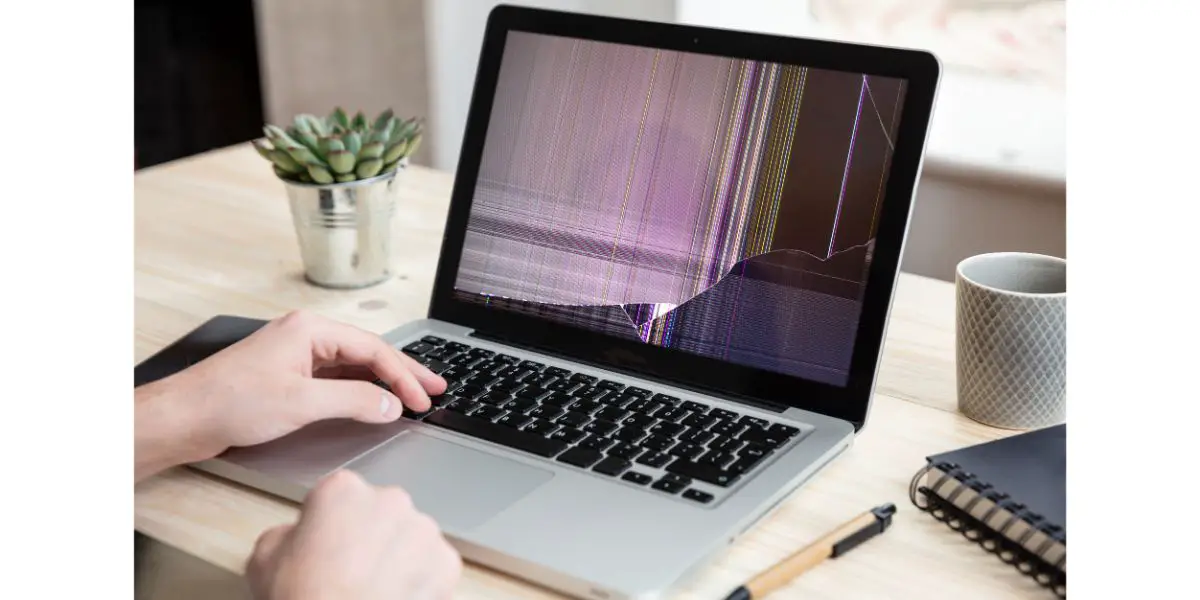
<point>460,487</point>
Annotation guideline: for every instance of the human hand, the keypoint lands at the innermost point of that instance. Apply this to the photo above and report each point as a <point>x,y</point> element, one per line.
<point>354,540</point>
<point>296,370</point>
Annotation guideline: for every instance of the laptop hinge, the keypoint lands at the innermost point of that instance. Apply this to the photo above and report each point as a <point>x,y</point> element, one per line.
<point>754,402</point>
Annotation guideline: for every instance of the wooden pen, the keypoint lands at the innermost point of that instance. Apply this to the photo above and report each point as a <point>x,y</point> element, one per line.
<point>832,545</point>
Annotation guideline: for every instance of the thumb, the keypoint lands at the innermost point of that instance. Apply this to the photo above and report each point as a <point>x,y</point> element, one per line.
<point>321,399</point>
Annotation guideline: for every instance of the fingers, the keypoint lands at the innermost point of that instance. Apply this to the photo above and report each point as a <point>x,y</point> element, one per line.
<point>320,399</point>
<point>268,543</point>
<point>338,343</point>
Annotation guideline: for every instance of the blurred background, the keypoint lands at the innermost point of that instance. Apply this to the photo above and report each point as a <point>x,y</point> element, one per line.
<point>207,75</point>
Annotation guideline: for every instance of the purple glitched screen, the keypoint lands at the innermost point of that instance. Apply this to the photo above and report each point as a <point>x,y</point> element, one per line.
<point>716,206</point>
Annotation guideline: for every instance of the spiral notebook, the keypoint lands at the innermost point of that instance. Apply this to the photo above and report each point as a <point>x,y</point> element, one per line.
<point>1009,496</point>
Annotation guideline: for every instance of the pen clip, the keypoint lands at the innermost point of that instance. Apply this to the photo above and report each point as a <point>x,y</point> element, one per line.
<point>883,519</point>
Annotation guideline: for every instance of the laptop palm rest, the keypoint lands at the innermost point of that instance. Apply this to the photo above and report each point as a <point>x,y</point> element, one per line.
<point>461,488</point>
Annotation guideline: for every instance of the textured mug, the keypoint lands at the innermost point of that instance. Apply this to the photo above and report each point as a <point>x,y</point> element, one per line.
<point>1011,345</point>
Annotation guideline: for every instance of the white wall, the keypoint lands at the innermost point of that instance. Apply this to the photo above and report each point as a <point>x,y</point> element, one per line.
<point>454,34</point>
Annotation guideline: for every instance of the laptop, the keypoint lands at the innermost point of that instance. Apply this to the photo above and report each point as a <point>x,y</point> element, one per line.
<point>660,302</point>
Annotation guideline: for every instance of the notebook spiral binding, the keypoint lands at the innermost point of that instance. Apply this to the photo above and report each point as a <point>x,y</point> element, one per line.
<point>1033,564</point>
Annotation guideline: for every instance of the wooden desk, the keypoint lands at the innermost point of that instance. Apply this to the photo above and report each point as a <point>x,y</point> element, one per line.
<point>214,235</point>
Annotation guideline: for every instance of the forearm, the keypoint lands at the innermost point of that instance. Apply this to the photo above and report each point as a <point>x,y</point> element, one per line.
<point>165,429</point>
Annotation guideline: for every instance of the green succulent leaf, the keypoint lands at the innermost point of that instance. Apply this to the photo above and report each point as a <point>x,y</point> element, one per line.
<point>395,152</point>
<point>407,129</point>
<point>413,144</point>
<point>382,120</point>
<point>302,154</point>
<point>301,125</point>
<point>371,150</point>
<point>353,142</point>
<point>280,173</point>
<point>319,173</point>
<point>344,177</point>
<point>331,144</point>
<point>284,161</point>
<point>369,168</point>
<point>359,122</point>
<point>310,141</point>
<point>340,161</point>
<point>278,136</point>
<point>263,147</point>
<point>389,167</point>
<point>304,177</point>
<point>338,116</point>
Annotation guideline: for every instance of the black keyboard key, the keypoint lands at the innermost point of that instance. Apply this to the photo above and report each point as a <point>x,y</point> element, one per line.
<point>542,381</point>
<point>654,459</point>
<point>573,419</point>
<point>625,451</point>
<point>514,420</point>
<point>687,450</point>
<point>525,376</point>
<point>612,413</point>
<point>638,420</point>
<point>595,394</point>
<point>470,391</point>
<point>600,427</point>
<point>674,414</point>
<point>693,406</point>
<point>657,443</point>
<point>703,472</point>
<point>630,434</point>
<point>598,442</point>
<point>433,339</point>
<point>482,380</point>
<point>532,366</point>
<point>622,401</point>
<point>498,434</point>
<point>461,406</point>
<point>521,405</point>
<point>646,407</point>
<point>489,367</point>
<point>456,373</point>
<point>508,385</point>
<point>612,466</point>
<point>458,347</point>
<point>558,372</point>
<point>558,399</point>
<point>698,496</point>
<point>665,399</point>
<point>717,458</point>
<point>541,427</point>
<point>408,413</point>
<point>581,457</point>
<point>588,380</point>
<point>505,371</point>
<point>569,435</point>
<point>754,421</point>
<point>637,391</point>
<point>754,451</point>
<point>728,428</point>
<point>786,431</point>
<point>724,443</point>
<point>488,412</point>
<point>677,478</point>
<point>533,393</point>
<point>668,486</point>
<point>586,407</point>
<point>435,365</point>
<point>637,478</point>
<point>697,436</point>
<point>742,465</point>
<point>699,421</point>
<point>495,398</point>
<point>466,361</point>
<point>667,429</point>
<point>512,360</point>
<point>482,352</point>
<point>610,385</point>
<point>566,386</point>
<point>763,437</point>
<point>723,414</point>
<point>442,400</point>
<point>442,354</point>
<point>546,412</point>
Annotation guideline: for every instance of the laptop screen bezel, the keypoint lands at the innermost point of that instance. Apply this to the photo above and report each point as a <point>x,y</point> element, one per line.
<point>706,375</point>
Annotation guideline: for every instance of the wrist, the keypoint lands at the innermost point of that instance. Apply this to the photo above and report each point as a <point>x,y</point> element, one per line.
<point>169,427</point>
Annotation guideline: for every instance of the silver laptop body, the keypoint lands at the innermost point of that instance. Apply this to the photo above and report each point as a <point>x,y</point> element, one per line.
<point>544,510</point>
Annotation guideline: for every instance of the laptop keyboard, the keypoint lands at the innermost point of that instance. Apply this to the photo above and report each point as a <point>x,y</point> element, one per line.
<point>631,433</point>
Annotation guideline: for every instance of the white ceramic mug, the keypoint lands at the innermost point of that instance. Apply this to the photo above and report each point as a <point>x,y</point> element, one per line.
<point>1011,340</point>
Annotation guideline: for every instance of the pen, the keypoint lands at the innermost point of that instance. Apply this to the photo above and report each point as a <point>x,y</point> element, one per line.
<point>832,545</point>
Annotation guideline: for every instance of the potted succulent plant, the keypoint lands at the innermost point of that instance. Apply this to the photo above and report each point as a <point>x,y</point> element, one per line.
<point>340,174</point>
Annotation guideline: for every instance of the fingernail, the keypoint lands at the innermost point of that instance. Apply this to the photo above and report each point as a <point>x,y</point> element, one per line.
<point>385,402</point>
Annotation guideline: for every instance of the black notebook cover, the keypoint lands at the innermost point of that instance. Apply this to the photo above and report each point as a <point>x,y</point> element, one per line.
<point>1009,496</point>
<point>209,338</point>
<point>1030,467</point>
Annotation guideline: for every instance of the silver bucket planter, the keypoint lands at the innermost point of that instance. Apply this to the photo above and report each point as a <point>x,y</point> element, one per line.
<point>345,229</point>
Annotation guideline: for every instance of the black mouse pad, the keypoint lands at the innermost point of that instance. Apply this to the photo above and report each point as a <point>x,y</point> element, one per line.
<point>202,342</point>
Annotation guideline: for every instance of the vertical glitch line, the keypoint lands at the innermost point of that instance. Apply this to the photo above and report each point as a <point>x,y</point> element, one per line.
<point>846,173</point>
